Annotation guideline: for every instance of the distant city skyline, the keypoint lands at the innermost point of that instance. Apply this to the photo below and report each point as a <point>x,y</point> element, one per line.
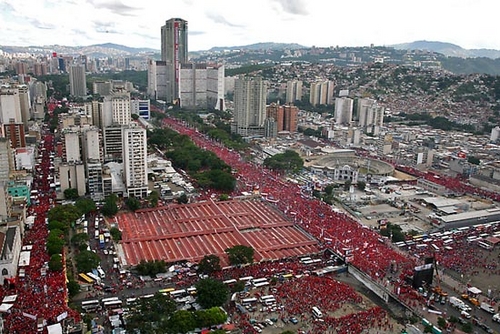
<point>469,24</point>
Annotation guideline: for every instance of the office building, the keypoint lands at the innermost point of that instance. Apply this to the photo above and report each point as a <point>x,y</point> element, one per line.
<point>113,143</point>
<point>135,161</point>
<point>24,104</point>
<point>174,52</point>
<point>95,185</point>
<point>16,134</point>
<point>77,81</point>
<point>495,134</point>
<point>141,108</point>
<point>201,86</point>
<point>321,93</point>
<point>293,91</point>
<point>343,110</point>
<point>10,105</point>
<point>91,144</point>
<point>116,108</point>
<point>6,159</point>
<point>71,146</point>
<point>72,175</point>
<point>249,106</point>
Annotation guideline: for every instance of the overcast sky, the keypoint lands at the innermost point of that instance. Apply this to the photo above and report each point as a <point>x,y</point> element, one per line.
<point>467,23</point>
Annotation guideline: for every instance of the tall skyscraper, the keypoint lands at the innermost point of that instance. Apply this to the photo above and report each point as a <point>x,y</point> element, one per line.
<point>343,110</point>
<point>370,114</point>
<point>77,81</point>
<point>174,52</point>
<point>249,106</point>
<point>285,116</point>
<point>116,108</point>
<point>293,91</point>
<point>321,93</point>
<point>6,159</point>
<point>10,105</point>
<point>135,161</point>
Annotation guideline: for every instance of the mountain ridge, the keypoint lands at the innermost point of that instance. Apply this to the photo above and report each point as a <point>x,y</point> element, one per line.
<point>448,49</point>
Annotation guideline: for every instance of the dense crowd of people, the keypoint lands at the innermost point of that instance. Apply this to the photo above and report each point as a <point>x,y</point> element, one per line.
<point>41,293</point>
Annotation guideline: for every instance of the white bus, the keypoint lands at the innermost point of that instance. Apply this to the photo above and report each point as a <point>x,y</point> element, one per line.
<point>229,281</point>
<point>485,245</point>
<point>261,284</point>
<point>90,305</point>
<point>113,304</point>
<point>264,298</point>
<point>97,279</point>
<point>177,293</point>
<point>316,312</point>
<point>248,301</point>
<point>259,280</point>
<point>246,278</point>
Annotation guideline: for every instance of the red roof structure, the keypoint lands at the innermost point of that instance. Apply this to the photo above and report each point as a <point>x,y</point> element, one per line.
<point>191,231</point>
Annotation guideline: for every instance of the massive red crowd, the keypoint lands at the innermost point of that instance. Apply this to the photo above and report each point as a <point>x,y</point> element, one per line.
<point>41,293</point>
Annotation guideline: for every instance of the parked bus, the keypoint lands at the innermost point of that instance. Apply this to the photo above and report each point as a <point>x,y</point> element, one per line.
<point>177,293</point>
<point>96,278</point>
<point>316,312</point>
<point>259,280</point>
<point>230,281</point>
<point>86,278</point>
<point>246,278</point>
<point>166,290</point>
<point>485,245</point>
<point>264,298</point>
<point>90,305</point>
<point>248,301</point>
<point>261,284</point>
<point>112,304</point>
<point>191,290</point>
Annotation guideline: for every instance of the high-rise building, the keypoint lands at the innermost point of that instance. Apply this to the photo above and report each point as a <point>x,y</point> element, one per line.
<point>370,114</point>
<point>293,91</point>
<point>10,105</point>
<point>91,144</point>
<point>495,134</point>
<point>321,93</point>
<point>77,81</point>
<point>15,133</point>
<point>24,104</point>
<point>116,108</point>
<point>6,159</point>
<point>141,108</point>
<point>201,85</point>
<point>174,41</point>
<point>343,110</point>
<point>72,146</point>
<point>286,116</point>
<point>249,106</point>
<point>135,161</point>
<point>174,52</point>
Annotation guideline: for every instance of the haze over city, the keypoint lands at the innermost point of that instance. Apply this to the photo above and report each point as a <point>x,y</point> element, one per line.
<point>468,24</point>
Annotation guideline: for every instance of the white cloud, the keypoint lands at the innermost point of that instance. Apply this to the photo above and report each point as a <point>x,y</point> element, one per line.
<point>470,24</point>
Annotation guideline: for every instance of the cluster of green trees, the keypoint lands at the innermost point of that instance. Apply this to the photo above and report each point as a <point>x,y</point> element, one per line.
<point>393,231</point>
<point>159,315</point>
<point>204,166</point>
<point>110,207</point>
<point>288,161</point>
<point>151,268</point>
<point>240,254</point>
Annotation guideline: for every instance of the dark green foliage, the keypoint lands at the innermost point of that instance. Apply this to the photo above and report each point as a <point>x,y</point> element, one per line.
<point>473,160</point>
<point>55,242</point>
<point>151,268</point>
<point>80,240</point>
<point>55,263</point>
<point>182,199</point>
<point>109,209</point>
<point>181,321</point>
<point>133,203</point>
<point>151,315</point>
<point>116,234</point>
<point>394,230</point>
<point>73,288</point>
<point>86,261</point>
<point>71,193</point>
<point>209,264</point>
<point>289,161</point>
<point>65,214</point>
<point>240,254</point>
<point>85,205</point>
<point>210,317</point>
<point>211,293</point>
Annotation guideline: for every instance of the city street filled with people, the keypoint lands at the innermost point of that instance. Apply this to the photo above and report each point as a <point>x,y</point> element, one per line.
<point>41,293</point>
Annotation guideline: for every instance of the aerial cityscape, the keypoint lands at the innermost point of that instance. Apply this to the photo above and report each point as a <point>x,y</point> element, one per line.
<point>260,188</point>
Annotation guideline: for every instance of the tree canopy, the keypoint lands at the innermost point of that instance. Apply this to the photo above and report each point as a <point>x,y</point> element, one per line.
<point>240,254</point>
<point>86,261</point>
<point>85,205</point>
<point>71,193</point>
<point>110,208</point>
<point>289,161</point>
<point>209,264</point>
<point>211,293</point>
<point>151,314</point>
<point>65,214</point>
